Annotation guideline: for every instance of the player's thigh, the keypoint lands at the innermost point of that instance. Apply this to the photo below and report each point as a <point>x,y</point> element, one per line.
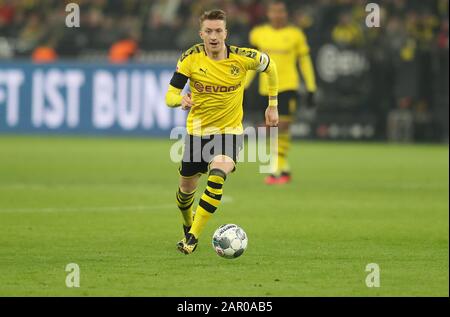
<point>192,165</point>
<point>226,151</point>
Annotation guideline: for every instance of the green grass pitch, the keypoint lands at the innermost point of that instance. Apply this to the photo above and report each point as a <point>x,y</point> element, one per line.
<point>108,205</point>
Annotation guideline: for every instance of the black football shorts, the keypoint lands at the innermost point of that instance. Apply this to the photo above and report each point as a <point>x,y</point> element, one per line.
<point>199,151</point>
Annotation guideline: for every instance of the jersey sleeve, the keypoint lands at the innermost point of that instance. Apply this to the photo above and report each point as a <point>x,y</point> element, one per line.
<point>256,60</point>
<point>184,65</point>
<point>260,62</point>
<point>183,70</point>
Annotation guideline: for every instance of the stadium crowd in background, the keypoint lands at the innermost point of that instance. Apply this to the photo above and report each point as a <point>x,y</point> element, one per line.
<point>172,24</point>
<point>408,53</point>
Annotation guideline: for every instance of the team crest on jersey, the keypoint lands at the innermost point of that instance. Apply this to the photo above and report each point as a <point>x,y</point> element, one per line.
<point>235,70</point>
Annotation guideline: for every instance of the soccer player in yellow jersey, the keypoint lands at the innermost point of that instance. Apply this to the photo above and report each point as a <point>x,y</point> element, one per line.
<point>216,73</point>
<point>287,46</point>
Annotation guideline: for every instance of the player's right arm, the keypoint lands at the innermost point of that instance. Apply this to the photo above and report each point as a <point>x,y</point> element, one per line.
<point>177,83</point>
<point>271,113</point>
<point>261,62</point>
<point>175,99</point>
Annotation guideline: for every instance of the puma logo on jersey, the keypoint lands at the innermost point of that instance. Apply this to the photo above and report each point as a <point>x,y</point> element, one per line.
<point>203,71</point>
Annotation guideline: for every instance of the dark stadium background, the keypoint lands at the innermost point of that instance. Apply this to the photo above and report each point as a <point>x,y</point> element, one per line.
<point>386,83</point>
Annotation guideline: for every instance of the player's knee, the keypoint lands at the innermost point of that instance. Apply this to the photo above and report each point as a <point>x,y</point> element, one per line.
<point>187,189</point>
<point>223,163</point>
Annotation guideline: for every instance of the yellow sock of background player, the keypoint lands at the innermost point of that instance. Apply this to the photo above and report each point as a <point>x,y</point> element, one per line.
<point>209,201</point>
<point>284,143</point>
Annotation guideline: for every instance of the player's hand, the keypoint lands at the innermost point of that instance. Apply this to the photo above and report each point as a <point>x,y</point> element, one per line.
<point>272,116</point>
<point>186,102</point>
<point>310,101</point>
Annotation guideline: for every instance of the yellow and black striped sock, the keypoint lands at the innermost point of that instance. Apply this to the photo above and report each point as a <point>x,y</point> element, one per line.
<point>184,203</point>
<point>284,143</point>
<point>209,201</point>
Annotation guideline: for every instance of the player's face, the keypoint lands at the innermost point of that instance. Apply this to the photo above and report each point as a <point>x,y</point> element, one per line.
<point>277,14</point>
<point>213,34</point>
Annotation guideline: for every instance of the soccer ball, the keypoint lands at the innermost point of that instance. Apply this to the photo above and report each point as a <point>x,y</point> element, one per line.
<point>229,241</point>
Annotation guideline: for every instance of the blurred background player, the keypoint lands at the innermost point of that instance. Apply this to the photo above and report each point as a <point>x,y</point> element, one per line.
<point>286,44</point>
<point>217,74</point>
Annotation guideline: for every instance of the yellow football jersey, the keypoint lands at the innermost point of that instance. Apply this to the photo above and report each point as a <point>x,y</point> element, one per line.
<point>217,87</point>
<point>285,46</point>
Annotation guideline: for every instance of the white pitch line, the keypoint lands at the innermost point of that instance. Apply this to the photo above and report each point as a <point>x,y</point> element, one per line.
<point>89,209</point>
<point>77,185</point>
<point>225,200</point>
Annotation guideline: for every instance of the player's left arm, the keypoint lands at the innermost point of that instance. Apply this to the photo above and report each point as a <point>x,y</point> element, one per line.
<point>263,63</point>
<point>272,109</point>
<point>306,67</point>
